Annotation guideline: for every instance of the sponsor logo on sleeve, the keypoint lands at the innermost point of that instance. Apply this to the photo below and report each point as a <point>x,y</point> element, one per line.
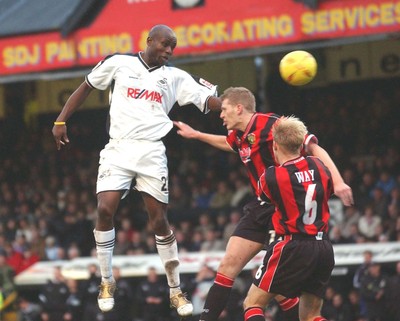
<point>205,83</point>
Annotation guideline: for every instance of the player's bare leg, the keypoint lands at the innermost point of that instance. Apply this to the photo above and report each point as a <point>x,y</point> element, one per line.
<point>239,252</point>
<point>104,234</point>
<point>255,302</point>
<point>168,251</point>
<point>310,307</point>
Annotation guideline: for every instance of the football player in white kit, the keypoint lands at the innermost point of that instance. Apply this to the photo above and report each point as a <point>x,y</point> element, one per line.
<point>143,91</point>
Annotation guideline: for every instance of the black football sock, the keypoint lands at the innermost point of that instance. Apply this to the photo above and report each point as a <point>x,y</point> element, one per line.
<point>254,314</point>
<point>290,309</point>
<point>217,298</point>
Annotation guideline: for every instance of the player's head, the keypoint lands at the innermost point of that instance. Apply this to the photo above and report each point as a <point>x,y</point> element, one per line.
<point>238,104</point>
<point>161,43</point>
<point>240,95</point>
<point>288,134</point>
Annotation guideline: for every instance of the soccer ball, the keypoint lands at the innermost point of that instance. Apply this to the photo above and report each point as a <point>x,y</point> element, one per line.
<point>298,67</point>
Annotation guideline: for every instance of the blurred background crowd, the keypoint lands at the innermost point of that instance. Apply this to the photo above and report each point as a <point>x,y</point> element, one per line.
<point>48,205</point>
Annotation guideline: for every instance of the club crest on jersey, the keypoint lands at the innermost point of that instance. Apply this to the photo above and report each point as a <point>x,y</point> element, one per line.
<point>251,138</point>
<point>205,83</point>
<point>162,83</point>
<point>245,154</point>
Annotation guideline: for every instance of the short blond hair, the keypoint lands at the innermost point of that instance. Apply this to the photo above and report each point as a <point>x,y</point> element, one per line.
<point>240,95</point>
<point>289,132</point>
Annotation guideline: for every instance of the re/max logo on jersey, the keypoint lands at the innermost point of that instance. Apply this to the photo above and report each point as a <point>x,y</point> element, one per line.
<point>138,93</point>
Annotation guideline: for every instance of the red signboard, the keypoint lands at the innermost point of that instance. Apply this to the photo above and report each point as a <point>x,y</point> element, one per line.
<point>218,26</point>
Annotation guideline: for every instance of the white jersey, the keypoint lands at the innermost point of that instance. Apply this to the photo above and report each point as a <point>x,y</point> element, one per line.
<point>141,97</point>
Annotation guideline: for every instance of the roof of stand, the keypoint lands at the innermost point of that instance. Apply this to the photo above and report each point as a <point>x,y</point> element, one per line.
<point>21,17</point>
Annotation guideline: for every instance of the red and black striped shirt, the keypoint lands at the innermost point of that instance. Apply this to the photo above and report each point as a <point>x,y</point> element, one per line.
<point>254,145</point>
<point>300,190</point>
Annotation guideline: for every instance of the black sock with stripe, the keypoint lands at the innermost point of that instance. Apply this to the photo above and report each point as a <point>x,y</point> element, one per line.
<point>290,309</point>
<point>254,314</point>
<point>217,298</point>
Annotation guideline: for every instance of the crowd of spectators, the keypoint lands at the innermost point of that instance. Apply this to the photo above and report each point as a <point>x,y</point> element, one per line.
<point>48,204</point>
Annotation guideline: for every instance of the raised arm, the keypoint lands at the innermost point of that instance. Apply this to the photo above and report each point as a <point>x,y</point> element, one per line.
<point>218,141</point>
<point>73,103</point>
<point>341,189</point>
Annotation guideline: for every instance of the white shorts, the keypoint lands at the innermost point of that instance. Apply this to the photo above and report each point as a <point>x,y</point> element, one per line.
<point>124,161</point>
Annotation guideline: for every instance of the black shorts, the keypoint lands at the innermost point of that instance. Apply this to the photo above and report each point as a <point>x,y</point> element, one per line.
<point>291,267</point>
<point>255,224</point>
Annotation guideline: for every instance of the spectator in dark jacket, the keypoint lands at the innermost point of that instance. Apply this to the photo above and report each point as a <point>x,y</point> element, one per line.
<point>392,296</point>
<point>360,274</point>
<point>91,311</point>
<point>341,308</point>
<point>153,297</point>
<point>27,310</point>
<point>372,291</point>
<point>53,297</point>
<point>74,302</point>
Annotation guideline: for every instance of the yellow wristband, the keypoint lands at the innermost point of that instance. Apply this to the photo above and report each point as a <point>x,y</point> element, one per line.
<point>59,123</point>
